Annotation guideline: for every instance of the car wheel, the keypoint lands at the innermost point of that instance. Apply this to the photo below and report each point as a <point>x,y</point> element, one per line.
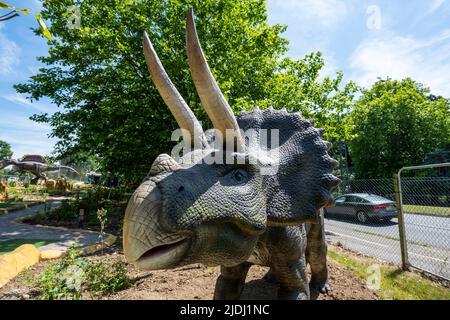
<point>362,216</point>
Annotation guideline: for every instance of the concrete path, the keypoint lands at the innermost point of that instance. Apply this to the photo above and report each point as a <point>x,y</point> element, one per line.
<point>10,229</point>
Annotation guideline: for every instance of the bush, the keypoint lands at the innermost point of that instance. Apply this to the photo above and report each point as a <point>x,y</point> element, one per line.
<point>104,279</point>
<point>68,210</point>
<point>66,279</point>
<point>63,280</point>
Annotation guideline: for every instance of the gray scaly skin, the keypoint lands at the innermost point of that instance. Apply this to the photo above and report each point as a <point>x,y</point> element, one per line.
<point>232,214</point>
<point>36,168</point>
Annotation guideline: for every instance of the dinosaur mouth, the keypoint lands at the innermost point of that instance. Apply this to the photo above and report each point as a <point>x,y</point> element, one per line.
<point>163,256</point>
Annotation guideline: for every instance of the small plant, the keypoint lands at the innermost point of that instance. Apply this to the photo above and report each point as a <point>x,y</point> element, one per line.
<point>102,218</point>
<point>66,279</point>
<point>63,280</point>
<point>103,278</point>
<point>45,197</point>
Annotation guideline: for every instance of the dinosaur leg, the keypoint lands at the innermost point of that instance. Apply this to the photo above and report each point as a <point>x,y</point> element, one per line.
<point>270,277</point>
<point>34,180</point>
<point>231,281</point>
<point>316,256</point>
<point>293,279</point>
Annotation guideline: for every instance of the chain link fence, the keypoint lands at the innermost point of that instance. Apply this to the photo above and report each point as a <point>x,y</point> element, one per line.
<point>425,204</point>
<point>365,218</point>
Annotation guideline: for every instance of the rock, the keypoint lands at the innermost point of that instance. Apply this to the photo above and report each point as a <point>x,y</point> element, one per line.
<point>51,254</point>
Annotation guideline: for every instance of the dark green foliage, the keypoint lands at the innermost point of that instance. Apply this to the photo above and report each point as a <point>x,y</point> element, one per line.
<point>5,150</point>
<point>63,280</point>
<point>73,274</point>
<point>113,200</point>
<point>102,278</point>
<point>109,107</point>
<point>396,124</point>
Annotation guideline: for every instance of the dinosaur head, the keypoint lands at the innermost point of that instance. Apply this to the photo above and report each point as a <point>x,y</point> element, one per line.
<point>210,205</point>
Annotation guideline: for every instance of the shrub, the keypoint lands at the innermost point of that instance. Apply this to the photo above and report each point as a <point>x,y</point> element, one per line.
<point>63,280</point>
<point>103,278</point>
<point>66,279</point>
<point>68,210</point>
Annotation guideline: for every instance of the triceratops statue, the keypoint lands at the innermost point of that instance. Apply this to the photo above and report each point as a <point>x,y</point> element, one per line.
<point>230,214</point>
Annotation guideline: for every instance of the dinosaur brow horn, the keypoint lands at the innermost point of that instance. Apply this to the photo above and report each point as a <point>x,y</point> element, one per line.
<point>177,106</point>
<point>215,104</point>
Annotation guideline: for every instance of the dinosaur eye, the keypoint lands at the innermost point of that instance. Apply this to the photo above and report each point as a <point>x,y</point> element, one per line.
<point>239,175</point>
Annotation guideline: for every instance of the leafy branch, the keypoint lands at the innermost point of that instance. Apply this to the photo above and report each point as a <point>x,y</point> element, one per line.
<point>15,13</point>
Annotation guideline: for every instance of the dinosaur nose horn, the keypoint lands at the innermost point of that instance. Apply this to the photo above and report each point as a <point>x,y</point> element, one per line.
<point>163,163</point>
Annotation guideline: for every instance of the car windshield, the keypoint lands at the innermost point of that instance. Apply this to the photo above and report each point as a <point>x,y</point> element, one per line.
<point>373,197</point>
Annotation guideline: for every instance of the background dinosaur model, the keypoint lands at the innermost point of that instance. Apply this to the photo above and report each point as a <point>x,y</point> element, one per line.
<point>231,214</point>
<point>35,164</point>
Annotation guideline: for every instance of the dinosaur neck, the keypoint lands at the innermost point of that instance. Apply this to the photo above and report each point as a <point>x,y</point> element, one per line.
<point>7,162</point>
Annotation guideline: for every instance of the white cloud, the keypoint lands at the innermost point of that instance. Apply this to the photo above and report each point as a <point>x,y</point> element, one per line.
<point>435,4</point>
<point>21,100</point>
<point>25,135</point>
<point>330,68</point>
<point>426,61</point>
<point>9,55</point>
<point>22,143</point>
<point>325,12</point>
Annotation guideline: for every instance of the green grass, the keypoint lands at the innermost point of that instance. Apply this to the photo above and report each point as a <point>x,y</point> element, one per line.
<point>6,205</point>
<point>10,245</point>
<point>440,211</point>
<point>395,283</point>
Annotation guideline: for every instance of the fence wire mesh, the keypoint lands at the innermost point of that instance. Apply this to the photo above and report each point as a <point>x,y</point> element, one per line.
<point>364,218</point>
<point>426,210</point>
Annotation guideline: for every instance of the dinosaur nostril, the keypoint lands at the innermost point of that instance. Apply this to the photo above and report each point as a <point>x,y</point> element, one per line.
<point>180,189</point>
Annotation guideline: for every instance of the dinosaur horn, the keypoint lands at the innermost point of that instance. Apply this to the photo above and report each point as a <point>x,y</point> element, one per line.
<point>215,104</point>
<point>177,106</point>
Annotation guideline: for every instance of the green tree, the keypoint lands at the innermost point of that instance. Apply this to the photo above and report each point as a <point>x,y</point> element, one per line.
<point>110,109</point>
<point>5,150</point>
<point>396,124</point>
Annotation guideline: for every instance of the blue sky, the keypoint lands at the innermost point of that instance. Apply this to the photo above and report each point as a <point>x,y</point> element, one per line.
<point>364,39</point>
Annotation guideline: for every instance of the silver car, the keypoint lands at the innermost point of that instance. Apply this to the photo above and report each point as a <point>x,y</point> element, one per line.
<point>364,207</point>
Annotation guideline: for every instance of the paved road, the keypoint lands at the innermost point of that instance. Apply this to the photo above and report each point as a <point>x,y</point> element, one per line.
<point>9,229</point>
<point>428,240</point>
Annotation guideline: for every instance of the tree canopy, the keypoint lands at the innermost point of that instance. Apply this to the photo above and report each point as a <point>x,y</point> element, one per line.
<point>396,124</point>
<point>108,106</point>
<point>5,150</point>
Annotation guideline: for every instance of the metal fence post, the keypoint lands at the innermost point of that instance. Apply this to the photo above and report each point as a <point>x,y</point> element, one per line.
<point>401,222</point>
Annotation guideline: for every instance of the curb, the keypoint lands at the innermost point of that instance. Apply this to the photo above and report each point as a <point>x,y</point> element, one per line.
<point>21,207</point>
<point>26,255</point>
<point>428,214</point>
<point>109,241</point>
<point>14,262</point>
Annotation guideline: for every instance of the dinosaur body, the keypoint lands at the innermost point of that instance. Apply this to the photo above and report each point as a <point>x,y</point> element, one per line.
<point>36,165</point>
<point>261,205</point>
